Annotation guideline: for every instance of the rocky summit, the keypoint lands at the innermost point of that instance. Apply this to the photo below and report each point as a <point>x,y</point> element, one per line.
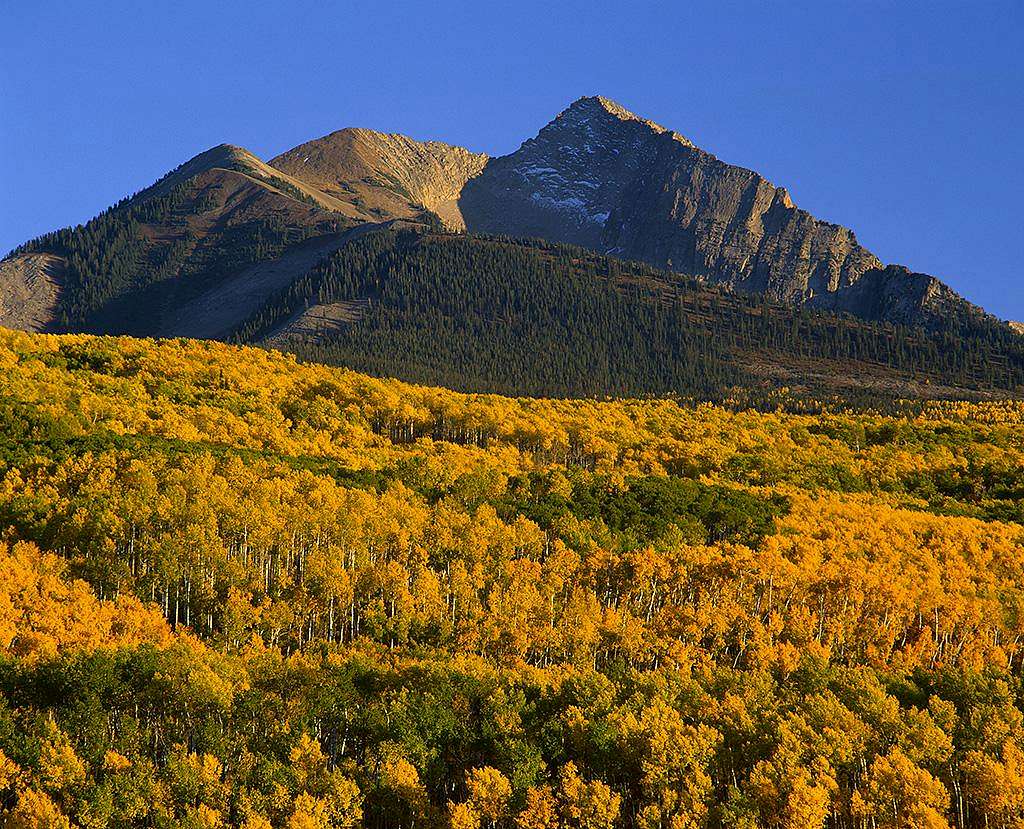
<point>605,178</point>
<point>571,182</point>
<point>383,175</point>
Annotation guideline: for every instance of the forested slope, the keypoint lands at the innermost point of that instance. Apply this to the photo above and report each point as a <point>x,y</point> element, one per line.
<point>135,263</point>
<point>240,591</point>
<point>527,317</point>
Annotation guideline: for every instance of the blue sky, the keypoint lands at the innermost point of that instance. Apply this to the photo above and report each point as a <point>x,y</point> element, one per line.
<point>902,120</point>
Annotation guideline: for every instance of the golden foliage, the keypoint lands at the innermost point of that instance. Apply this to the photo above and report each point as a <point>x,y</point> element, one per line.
<point>804,620</point>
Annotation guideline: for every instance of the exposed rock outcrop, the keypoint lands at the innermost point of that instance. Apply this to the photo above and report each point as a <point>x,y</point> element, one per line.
<point>385,175</point>
<point>30,285</point>
<point>602,177</point>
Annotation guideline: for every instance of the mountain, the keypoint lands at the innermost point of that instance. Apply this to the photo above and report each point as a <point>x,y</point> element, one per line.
<point>134,264</point>
<point>384,176</point>
<point>602,177</point>
<point>682,274</point>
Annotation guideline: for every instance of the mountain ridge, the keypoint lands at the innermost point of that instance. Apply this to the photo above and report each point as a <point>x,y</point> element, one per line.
<point>664,201</point>
<point>385,175</point>
<point>721,222</point>
<point>220,238</point>
<point>600,176</point>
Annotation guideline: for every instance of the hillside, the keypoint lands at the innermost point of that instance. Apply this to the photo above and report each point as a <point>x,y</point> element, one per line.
<point>491,314</point>
<point>474,313</point>
<point>208,219</point>
<point>238,591</point>
<point>385,176</point>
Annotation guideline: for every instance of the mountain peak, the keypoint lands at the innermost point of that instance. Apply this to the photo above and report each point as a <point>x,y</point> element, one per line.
<point>224,156</point>
<point>588,106</point>
<point>384,175</point>
<point>611,107</point>
<point>602,177</point>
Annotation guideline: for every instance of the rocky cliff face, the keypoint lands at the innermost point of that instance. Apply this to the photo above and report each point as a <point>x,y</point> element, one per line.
<point>385,176</point>
<point>571,182</point>
<point>602,177</point>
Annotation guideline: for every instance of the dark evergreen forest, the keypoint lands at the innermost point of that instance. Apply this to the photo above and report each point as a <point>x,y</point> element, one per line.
<point>528,317</point>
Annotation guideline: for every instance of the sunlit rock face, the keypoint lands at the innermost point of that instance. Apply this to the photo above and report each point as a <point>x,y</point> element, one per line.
<point>385,175</point>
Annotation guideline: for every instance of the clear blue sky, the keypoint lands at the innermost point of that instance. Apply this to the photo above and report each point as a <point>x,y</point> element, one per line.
<point>903,120</point>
